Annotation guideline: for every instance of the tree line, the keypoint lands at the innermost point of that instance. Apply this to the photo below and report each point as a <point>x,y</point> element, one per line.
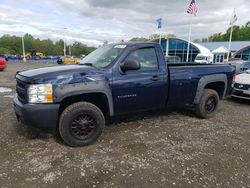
<point>13,45</point>
<point>240,33</point>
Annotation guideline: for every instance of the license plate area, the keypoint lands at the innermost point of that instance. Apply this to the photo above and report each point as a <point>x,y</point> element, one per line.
<point>246,92</point>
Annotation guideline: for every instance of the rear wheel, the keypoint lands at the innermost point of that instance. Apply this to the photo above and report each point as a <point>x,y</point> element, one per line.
<point>81,124</point>
<point>208,104</point>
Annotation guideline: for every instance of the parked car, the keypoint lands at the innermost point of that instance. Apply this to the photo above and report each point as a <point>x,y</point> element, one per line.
<point>116,79</point>
<point>241,65</point>
<point>82,56</point>
<point>70,60</point>
<point>241,87</point>
<point>172,59</point>
<point>34,55</point>
<point>4,56</point>
<point>59,60</point>
<point>3,64</point>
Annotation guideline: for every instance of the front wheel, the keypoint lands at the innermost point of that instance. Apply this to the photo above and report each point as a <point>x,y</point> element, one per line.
<point>208,104</point>
<point>81,124</point>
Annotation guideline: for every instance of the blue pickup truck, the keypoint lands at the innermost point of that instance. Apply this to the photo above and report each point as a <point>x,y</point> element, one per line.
<point>75,100</point>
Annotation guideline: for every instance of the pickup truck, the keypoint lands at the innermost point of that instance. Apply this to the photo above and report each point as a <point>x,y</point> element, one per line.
<point>76,100</point>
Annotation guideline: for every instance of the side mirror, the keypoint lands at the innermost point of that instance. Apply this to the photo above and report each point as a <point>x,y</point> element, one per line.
<point>130,64</point>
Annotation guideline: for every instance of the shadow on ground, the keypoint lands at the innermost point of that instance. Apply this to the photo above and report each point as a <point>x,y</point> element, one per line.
<point>239,101</point>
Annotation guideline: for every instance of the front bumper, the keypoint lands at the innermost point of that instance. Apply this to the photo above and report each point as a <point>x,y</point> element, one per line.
<point>43,116</point>
<point>238,93</point>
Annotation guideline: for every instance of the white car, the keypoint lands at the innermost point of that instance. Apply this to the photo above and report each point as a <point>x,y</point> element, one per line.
<point>241,87</point>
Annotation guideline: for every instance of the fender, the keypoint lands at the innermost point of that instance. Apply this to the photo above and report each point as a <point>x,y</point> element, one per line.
<point>207,80</point>
<point>69,90</point>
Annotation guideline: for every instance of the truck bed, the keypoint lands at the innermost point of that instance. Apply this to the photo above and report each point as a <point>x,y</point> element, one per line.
<point>184,78</point>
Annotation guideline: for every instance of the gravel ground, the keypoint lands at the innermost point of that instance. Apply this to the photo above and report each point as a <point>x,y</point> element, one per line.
<point>154,149</point>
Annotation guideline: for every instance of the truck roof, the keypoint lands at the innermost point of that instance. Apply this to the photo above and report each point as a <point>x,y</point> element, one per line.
<point>135,43</point>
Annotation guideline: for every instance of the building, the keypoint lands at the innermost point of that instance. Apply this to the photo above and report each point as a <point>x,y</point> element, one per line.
<point>178,47</point>
<point>220,54</point>
<point>217,51</point>
<point>238,49</point>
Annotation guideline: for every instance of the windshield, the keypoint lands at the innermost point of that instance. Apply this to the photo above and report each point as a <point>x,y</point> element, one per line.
<point>103,56</point>
<point>200,58</point>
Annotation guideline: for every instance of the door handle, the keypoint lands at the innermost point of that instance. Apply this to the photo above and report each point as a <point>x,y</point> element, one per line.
<point>155,78</point>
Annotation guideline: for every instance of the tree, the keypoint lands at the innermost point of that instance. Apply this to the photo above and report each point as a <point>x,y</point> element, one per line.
<point>139,39</point>
<point>13,45</point>
<point>239,34</point>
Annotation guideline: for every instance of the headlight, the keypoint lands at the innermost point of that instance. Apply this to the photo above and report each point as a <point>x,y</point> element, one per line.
<point>40,93</point>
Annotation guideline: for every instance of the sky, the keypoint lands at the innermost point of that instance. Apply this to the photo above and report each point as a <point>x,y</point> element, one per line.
<point>95,21</point>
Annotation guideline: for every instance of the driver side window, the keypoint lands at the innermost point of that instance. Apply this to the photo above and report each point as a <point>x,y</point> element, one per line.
<point>146,57</point>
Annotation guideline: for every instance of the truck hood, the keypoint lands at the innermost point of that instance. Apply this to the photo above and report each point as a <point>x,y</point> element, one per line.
<point>62,74</point>
<point>39,72</point>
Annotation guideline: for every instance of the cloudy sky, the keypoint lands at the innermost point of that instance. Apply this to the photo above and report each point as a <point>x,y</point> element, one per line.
<point>95,21</point>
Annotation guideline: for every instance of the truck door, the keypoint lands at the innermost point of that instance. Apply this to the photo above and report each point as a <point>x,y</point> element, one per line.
<point>142,89</point>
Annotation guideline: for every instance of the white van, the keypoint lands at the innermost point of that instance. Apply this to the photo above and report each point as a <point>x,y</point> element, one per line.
<point>201,58</point>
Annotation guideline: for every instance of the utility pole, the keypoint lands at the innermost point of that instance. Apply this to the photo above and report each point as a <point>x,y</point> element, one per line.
<point>69,50</point>
<point>64,47</point>
<point>24,59</point>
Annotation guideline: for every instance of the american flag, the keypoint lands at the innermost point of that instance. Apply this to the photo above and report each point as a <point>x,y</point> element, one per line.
<point>233,19</point>
<point>192,8</point>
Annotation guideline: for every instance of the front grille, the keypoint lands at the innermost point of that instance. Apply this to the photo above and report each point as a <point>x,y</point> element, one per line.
<point>240,93</point>
<point>242,86</point>
<point>21,90</point>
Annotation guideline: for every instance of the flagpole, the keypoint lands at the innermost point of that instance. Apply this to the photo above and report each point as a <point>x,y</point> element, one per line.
<point>189,37</point>
<point>230,41</point>
<point>167,46</point>
<point>232,21</point>
<point>160,38</point>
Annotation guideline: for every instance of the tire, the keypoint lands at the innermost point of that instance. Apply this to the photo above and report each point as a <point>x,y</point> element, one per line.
<point>81,124</point>
<point>208,104</point>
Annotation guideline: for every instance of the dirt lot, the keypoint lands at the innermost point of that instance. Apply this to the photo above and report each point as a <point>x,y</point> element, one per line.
<point>156,149</point>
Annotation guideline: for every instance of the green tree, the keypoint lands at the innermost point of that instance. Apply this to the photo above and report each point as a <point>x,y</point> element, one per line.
<point>13,45</point>
<point>239,34</point>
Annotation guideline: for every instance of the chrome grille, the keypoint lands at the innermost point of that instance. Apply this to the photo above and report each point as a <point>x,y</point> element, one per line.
<point>21,90</point>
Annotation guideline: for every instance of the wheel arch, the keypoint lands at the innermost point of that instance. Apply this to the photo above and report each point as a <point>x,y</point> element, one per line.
<point>217,82</point>
<point>97,98</point>
<point>97,93</point>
